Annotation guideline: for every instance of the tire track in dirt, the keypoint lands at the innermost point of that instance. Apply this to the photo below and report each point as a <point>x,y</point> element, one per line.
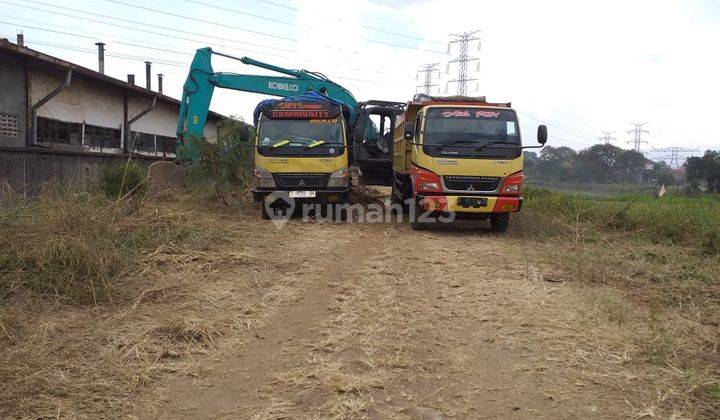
<point>410,330</point>
<point>236,380</point>
<point>391,321</point>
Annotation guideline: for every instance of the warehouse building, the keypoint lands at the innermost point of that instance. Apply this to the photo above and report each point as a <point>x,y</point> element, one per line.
<point>60,121</point>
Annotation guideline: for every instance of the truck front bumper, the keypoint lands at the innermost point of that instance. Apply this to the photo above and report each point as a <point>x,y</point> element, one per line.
<point>482,204</point>
<point>324,196</point>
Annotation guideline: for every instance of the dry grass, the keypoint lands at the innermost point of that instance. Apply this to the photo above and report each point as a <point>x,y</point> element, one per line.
<point>98,303</point>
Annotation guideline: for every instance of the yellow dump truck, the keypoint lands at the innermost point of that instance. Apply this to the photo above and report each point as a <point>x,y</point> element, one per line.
<point>459,156</point>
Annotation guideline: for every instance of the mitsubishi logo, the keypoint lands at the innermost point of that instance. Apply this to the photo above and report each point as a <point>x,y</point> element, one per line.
<point>471,188</point>
<point>301,183</point>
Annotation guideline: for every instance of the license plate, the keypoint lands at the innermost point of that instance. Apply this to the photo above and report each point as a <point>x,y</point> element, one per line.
<point>302,194</point>
<point>472,201</point>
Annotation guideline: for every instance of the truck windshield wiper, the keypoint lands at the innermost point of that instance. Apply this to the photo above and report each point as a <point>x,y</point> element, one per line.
<point>321,143</point>
<point>495,142</point>
<point>281,143</point>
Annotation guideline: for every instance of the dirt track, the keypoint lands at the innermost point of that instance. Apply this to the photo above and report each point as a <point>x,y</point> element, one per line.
<point>379,321</point>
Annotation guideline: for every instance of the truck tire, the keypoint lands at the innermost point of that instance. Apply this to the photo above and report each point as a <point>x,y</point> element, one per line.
<point>415,223</point>
<point>396,198</point>
<point>499,222</point>
<point>263,211</point>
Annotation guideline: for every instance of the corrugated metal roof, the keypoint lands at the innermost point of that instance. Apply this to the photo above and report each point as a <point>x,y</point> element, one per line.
<point>37,56</point>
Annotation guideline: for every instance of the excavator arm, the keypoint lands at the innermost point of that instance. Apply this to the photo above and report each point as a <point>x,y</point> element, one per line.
<point>202,80</point>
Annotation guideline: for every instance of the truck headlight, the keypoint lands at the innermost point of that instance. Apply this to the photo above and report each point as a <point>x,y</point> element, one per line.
<point>264,178</point>
<point>339,179</point>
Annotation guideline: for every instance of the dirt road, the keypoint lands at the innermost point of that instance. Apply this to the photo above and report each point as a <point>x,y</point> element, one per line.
<point>379,321</point>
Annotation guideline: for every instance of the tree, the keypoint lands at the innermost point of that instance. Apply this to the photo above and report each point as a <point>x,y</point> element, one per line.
<point>629,166</point>
<point>704,170</point>
<point>557,163</point>
<point>598,163</point>
<point>661,174</point>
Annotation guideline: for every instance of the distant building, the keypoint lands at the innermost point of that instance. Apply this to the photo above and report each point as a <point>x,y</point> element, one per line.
<point>62,121</point>
<point>649,164</point>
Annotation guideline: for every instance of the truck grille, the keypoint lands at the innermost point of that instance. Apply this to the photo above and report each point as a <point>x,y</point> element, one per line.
<point>471,183</point>
<point>301,180</point>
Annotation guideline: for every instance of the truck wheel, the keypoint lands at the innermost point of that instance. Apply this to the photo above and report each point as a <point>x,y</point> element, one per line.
<point>263,211</point>
<point>396,198</point>
<point>416,224</point>
<point>499,222</point>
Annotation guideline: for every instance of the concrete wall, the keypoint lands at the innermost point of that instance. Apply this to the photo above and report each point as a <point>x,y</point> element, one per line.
<point>85,100</point>
<point>101,104</point>
<point>163,119</point>
<point>27,169</point>
<point>12,97</point>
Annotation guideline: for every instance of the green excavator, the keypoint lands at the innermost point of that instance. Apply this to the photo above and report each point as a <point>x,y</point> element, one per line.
<point>370,124</point>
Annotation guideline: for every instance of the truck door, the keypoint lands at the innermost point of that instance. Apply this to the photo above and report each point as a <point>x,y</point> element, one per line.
<point>373,141</point>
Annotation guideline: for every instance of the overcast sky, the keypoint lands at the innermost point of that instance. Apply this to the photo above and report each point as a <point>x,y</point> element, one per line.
<point>581,67</point>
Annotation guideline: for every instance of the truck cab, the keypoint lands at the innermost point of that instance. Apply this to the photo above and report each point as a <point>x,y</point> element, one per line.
<point>301,152</point>
<point>459,155</point>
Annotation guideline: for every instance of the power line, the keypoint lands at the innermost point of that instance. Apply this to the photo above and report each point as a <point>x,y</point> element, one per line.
<point>135,23</point>
<point>428,70</point>
<point>372,28</point>
<point>674,154</point>
<point>570,130</point>
<point>239,12</point>
<point>92,51</point>
<point>638,131</point>
<point>138,58</point>
<point>197,19</point>
<point>225,46</point>
<point>402,46</point>
<point>95,38</point>
<point>463,59</point>
<point>279,5</point>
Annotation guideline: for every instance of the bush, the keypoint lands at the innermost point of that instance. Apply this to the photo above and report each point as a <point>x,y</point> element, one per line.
<point>226,163</point>
<point>119,180</point>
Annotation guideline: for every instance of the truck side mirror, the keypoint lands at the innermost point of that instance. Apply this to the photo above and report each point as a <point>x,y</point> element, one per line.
<point>409,130</point>
<point>542,134</point>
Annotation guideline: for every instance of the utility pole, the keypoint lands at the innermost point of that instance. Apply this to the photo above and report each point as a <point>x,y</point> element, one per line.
<point>607,138</point>
<point>638,131</point>
<point>674,151</point>
<point>428,70</point>
<point>464,39</point>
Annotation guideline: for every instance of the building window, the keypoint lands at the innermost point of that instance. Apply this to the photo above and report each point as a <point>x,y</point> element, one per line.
<point>102,137</point>
<point>166,144</point>
<point>8,125</point>
<point>142,142</point>
<point>56,131</point>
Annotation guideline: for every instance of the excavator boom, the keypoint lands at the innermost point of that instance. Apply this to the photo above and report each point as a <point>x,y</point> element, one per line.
<point>202,80</point>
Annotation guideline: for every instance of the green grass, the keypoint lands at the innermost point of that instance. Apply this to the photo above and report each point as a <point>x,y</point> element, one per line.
<point>675,220</point>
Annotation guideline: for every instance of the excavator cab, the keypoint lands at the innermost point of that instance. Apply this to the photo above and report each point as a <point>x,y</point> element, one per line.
<point>372,137</point>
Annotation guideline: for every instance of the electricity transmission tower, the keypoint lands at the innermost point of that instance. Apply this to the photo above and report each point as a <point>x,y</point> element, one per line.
<point>428,70</point>
<point>638,131</point>
<point>464,39</point>
<point>674,157</point>
<point>607,138</point>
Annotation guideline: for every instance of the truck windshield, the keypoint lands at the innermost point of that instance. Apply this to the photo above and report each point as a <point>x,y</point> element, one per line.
<point>300,137</point>
<point>471,132</point>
